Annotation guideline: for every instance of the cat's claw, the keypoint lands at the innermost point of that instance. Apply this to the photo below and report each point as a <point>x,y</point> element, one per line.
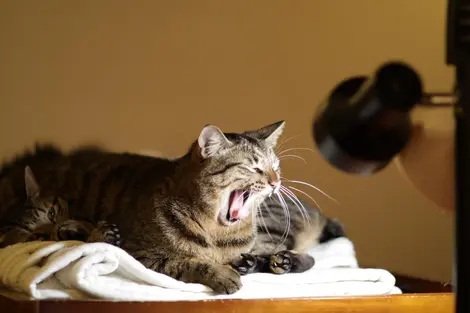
<point>107,233</point>
<point>281,262</point>
<point>288,261</point>
<point>246,264</point>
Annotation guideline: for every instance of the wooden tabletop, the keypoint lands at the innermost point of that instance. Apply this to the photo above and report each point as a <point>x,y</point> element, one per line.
<point>408,303</point>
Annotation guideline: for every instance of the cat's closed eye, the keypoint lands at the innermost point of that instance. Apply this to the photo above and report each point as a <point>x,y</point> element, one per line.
<point>258,170</point>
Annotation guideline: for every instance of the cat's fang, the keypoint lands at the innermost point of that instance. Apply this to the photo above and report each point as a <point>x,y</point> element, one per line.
<point>237,209</point>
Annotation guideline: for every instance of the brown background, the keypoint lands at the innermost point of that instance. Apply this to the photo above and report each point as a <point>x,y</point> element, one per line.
<point>149,74</point>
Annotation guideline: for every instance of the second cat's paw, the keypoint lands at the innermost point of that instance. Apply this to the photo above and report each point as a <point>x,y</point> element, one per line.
<point>107,233</point>
<point>281,262</point>
<point>246,264</point>
<point>288,261</point>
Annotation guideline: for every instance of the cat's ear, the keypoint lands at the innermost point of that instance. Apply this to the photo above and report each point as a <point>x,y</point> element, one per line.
<point>32,186</point>
<point>270,134</point>
<point>212,141</point>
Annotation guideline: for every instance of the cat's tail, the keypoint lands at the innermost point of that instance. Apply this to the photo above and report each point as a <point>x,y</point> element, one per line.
<point>333,229</point>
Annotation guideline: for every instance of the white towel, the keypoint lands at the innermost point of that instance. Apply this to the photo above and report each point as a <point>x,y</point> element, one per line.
<point>76,270</point>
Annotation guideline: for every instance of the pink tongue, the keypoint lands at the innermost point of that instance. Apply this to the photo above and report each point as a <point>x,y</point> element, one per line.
<point>236,204</point>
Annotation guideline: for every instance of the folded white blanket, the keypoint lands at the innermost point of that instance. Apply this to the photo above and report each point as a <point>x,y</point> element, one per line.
<point>75,270</point>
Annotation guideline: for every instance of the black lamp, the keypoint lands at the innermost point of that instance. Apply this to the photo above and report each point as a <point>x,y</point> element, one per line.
<point>365,122</point>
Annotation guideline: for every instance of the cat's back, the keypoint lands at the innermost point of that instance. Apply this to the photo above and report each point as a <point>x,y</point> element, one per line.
<point>92,167</point>
<point>67,173</point>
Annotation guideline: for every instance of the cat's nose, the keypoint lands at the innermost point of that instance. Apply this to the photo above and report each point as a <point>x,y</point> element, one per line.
<point>273,178</point>
<point>274,184</point>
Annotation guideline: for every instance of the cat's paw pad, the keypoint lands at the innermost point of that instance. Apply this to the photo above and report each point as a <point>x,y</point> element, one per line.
<point>107,233</point>
<point>281,262</point>
<point>111,234</point>
<point>246,264</point>
<point>226,280</point>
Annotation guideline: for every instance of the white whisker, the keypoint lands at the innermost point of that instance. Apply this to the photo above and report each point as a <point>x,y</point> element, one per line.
<point>284,141</point>
<point>287,214</point>
<point>312,186</point>
<point>270,212</point>
<point>292,156</point>
<point>264,223</point>
<point>311,198</point>
<point>291,149</point>
<point>296,201</point>
<point>254,219</point>
<point>239,227</point>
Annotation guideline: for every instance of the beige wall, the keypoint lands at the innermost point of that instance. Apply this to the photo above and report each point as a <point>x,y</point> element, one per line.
<point>150,74</point>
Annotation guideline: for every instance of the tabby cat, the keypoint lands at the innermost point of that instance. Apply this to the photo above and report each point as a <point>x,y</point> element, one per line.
<point>45,218</point>
<point>23,221</point>
<point>192,217</point>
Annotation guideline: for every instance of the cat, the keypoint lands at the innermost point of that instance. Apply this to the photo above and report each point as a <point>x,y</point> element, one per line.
<point>45,218</point>
<point>190,217</point>
<point>22,221</point>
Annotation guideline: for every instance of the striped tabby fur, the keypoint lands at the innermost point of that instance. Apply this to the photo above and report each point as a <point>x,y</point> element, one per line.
<point>45,218</point>
<point>179,217</point>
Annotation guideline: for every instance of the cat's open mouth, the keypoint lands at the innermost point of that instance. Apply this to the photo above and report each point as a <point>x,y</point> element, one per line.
<point>237,209</point>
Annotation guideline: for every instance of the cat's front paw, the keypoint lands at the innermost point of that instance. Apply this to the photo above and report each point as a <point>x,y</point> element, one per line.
<point>246,264</point>
<point>107,233</point>
<point>225,280</point>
